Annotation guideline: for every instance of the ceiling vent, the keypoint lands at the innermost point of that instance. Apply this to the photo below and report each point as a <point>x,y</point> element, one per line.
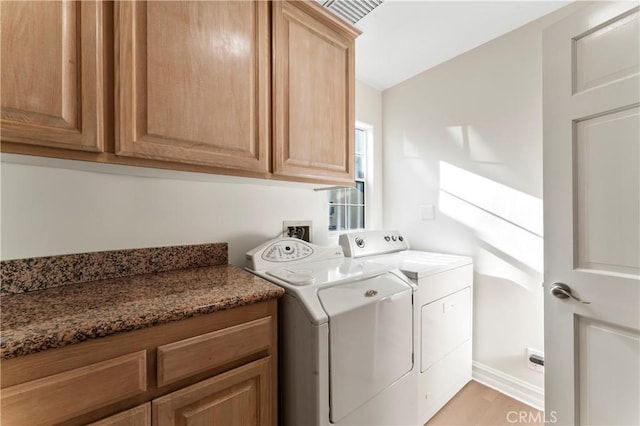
<point>351,10</point>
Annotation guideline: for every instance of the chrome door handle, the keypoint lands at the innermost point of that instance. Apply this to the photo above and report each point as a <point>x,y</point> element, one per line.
<point>563,291</point>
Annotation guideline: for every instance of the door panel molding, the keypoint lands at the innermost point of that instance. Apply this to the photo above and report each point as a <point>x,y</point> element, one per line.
<point>607,236</point>
<point>590,50</point>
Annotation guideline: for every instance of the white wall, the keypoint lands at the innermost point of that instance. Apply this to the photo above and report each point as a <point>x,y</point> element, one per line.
<point>54,207</point>
<point>466,137</point>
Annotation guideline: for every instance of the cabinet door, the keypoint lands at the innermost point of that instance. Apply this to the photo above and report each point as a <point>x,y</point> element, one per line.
<point>192,82</point>
<point>52,74</point>
<point>314,81</point>
<point>137,416</point>
<point>239,397</point>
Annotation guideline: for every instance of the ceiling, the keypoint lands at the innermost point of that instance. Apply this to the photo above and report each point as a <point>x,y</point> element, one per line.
<point>402,38</point>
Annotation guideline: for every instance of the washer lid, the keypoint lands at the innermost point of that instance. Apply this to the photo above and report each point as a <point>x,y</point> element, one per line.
<point>342,298</point>
<point>328,272</point>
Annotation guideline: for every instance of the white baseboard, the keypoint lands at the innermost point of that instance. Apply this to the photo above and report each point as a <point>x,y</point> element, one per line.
<point>509,385</point>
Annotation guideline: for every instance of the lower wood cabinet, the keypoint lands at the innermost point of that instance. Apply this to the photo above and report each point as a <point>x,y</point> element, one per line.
<point>238,397</point>
<point>216,369</point>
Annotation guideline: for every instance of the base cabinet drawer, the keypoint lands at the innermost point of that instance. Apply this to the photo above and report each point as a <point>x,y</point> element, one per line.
<point>237,397</point>
<point>54,399</point>
<point>138,416</point>
<point>191,356</point>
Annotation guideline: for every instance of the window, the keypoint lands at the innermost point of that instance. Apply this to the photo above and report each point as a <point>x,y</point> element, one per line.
<point>347,205</point>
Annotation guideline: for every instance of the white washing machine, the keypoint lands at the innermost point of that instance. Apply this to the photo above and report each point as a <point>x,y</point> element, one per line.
<point>347,333</point>
<point>444,306</point>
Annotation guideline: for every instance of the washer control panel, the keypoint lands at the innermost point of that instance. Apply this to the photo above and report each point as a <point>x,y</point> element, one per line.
<point>286,251</point>
<point>369,243</point>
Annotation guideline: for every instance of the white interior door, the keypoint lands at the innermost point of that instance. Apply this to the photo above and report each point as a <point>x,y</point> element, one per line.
<point>592,216</point>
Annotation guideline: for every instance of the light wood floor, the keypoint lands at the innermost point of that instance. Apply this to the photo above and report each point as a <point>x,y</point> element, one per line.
<point>477,404</point>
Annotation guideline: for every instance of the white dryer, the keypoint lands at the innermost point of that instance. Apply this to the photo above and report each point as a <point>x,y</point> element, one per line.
<point>444,308</point>
<point>347,333</point>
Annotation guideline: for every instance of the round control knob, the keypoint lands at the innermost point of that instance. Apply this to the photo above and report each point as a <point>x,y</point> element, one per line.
<point>387,238</point>
<point>400,238</point>
<point>394,238</point>
<point>359,242</point>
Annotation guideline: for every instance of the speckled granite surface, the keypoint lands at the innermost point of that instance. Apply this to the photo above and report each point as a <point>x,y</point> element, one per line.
<point>22,275</point>
<point>60,316</point>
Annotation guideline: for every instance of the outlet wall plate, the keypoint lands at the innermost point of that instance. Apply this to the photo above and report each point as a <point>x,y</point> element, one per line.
<point>301,229</point>
<point>532,365</point>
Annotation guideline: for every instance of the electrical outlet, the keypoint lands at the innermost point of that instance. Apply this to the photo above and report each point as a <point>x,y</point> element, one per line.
<point>300,229</point>
<point>535,360</point>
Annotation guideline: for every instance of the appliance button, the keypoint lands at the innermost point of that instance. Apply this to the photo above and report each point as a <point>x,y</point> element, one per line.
<point>400,238</point>
<point>393,237</point>
<point>301,279</point>
<point>359,242</point>
<point>387,238</point>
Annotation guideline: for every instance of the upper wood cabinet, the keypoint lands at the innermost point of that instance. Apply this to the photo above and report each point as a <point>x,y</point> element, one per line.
<point>251,88</point>
<point>314,89</point>
<point>52,74</point>
<point>192,82</point>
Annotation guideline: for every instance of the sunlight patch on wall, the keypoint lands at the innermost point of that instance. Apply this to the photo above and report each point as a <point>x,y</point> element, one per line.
<point>511,205</point>
<point>489,261</point>
<point>471,142</point>
<point>508,220</point>
<point>460,136</point>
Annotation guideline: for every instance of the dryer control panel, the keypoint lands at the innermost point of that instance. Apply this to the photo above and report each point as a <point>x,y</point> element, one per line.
<point>369,243</point>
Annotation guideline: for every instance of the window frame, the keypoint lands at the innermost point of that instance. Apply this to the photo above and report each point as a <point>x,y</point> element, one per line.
<point>367,182</point>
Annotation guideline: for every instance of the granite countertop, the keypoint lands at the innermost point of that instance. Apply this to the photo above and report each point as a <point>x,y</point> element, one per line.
<point>62,315</point>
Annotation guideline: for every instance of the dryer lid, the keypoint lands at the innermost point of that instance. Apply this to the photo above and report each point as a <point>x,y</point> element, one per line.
<point>417,264</point>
